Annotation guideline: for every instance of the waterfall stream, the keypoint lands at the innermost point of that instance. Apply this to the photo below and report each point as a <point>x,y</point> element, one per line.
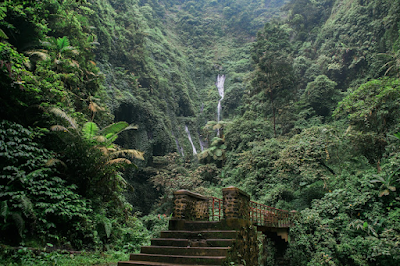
<point>190,139</point>
<point>220,86</point>
<point>178,147</point>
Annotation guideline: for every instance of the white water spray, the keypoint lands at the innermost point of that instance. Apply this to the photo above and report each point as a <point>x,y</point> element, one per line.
<point>220,86</point>
<point>178,147</point>
<point>190,140</point>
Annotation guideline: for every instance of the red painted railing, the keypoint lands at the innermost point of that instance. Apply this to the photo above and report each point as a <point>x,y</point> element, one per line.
<point>263,215</point>
<point>215,209</point>
<point>260,214</point>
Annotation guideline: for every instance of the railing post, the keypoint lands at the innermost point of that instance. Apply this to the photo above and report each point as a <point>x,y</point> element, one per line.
<point>236,204</point>
<point>190,206</point>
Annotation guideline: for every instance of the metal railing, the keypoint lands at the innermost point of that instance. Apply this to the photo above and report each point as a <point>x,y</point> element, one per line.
<point>235,204</point>
<point>260,214</point>
<point>215,209</point>
<point>263,215</point>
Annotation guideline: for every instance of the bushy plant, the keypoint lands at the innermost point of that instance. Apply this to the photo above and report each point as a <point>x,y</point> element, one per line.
<point>35,201</point>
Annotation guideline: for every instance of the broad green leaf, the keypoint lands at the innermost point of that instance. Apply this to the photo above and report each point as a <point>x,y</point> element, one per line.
<point>114,128</point>
<point>218,152</point>
<point>365,225</point>
<point>3,35</point>
<point>90,130</point>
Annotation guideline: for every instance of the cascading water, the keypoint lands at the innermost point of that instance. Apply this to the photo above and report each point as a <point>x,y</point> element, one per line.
<point>190,140</point>
<point>203,144</point>
<point>179,148</point>
<point>220,86</point>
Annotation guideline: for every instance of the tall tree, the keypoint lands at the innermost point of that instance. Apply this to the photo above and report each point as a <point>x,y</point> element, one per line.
<point>274,73</point>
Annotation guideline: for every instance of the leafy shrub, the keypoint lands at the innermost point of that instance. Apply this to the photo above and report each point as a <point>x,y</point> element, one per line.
<point>35,202</point>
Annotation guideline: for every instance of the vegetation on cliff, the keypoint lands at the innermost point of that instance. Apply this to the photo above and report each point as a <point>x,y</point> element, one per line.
<point>310,120</point>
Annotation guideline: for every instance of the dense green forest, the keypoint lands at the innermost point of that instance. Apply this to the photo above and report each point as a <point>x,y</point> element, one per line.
<point>98,98</point>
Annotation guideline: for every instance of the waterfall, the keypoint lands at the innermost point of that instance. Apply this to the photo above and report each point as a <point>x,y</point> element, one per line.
<point>178,147</point>
<point>220,86</point>
<point>202,143</point>
<point>190,139</point>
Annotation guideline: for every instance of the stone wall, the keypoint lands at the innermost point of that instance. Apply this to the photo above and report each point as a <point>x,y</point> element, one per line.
<point>236,203</point>
<point>190,206</point>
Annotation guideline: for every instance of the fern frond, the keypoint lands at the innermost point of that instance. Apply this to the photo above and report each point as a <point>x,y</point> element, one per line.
<point>60,113</point>
<point>62,43</point>
<point>27,206</point>
<point>107,226</point>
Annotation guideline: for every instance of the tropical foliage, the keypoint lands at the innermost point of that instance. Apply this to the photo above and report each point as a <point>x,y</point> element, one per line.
<point>310,120</point>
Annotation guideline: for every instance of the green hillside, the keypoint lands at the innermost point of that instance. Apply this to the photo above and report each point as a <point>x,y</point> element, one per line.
<point>98,97</point>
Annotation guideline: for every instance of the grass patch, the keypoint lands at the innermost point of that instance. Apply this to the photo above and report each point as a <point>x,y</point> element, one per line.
<point>25,256</point>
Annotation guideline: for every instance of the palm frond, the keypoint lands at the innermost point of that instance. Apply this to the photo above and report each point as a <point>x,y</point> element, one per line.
<point>131,127</point>
<point>71,49</point>
<point>4,209</point>
<point>94,107</point>
<point>19,222</point>
<point>103,149</point>
<point>114,128</point>
<point>119,161</point>
<point>58,128</point>
<point>41,54</point>
<point>128,152</point>
<point>101,139</point>
<point>3,35</point>
<point>74,63</point>
<point>53,161</point>
<point>47,44</point>
<point>62,114</point>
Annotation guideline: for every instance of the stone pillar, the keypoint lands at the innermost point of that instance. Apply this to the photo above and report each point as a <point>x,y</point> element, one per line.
<point>190,206</point>
<point>236,204</point>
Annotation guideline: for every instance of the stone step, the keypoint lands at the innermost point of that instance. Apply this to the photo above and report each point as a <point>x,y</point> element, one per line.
<point>179,259</point>
<point>150,263</point>
<point>214,234</point>
<point>225,224</point>
<point>175,242</point>
<point>195,225</point>
<point>187,251</point>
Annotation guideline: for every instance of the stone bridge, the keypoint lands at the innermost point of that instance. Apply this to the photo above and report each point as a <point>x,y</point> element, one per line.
<point>213,231</point>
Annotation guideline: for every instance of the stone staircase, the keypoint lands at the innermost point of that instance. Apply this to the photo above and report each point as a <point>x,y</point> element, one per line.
<point>212,231</point>
<point>187,243</point>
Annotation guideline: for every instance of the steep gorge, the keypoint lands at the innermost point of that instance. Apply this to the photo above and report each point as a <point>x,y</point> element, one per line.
<point>161,60</point>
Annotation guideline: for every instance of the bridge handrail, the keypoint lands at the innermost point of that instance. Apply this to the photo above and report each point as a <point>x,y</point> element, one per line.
<point>234,204</point>
<point>215,208</point>
<point>263,215</point>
